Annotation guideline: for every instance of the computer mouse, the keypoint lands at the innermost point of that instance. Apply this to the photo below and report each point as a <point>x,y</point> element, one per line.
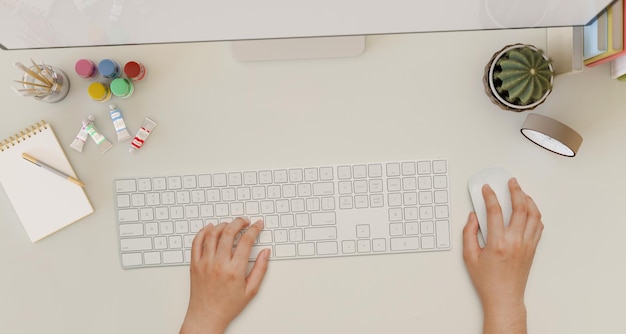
<point>497,178</point>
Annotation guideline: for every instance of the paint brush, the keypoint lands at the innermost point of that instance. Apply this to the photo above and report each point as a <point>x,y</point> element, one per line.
<point>33,84</point>
<point>32,73</point>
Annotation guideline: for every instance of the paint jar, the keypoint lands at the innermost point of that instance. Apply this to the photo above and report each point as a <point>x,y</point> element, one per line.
<point>122,87</point>
<point>109,68</point>
<point>135,71</point>
<point>99,92</point>
<point>86,68</point>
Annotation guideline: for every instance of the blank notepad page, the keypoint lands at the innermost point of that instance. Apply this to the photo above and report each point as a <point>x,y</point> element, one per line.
<point>43,201</point>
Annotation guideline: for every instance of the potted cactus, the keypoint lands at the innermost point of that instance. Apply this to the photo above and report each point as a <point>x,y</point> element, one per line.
<point>519,77</point>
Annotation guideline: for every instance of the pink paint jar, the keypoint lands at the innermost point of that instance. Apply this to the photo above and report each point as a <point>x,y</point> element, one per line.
<point>86,68</point>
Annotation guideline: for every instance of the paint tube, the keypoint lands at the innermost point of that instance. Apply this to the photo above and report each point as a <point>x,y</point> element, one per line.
<point>146,128</point>
<point>79,141</point>
<point>118,123</point>
<point>91,129</point>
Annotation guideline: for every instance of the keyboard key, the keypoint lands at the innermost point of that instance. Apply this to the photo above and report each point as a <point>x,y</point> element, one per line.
<point>302,219</point>
<point>144,184</point>
<point>411,228</point>
<point>328,203</point>
<point>128,215</point>
<point>441,196</point>
<point>393,169</point>
<point>295,175</point>
<point>123,186</point>
<point>152,258</point>
<point>423,167</point>
<point>344,172</point>
<point>306,249</point>
<point>427,227</point>
<point>320,233</point>
<point>375,170</point>
<point>440,167</point>
<point>363,246</point>
<point>443,233</point>
<point>131,230</point>
<point>281,176</point>
<point>204,181</point>
<point>323,218</point>
<point>408,168</point>
<point>402,244</point>
<point>359,171</point>
<point>424,182</point>
<point>310,174</point>
<point>174,182</point>
<point>131,259</point>
<point>220,180</point>
<point>326,174</point>
<point>396,229</point>
<point>136,244</point>
<point>285,250</point>
<point>428,242</point>
<point>235,179</point>
<point>265,177</point>
<point>379,245</point>
<point>173,256</point>
<point>249,178</point>
<point>363,231</point>
<point>189,182</point>
<point>323,189</point>
<point>348,246</point>
<point>327,248</point>
<point>123,201</point>
<point>138,199</point>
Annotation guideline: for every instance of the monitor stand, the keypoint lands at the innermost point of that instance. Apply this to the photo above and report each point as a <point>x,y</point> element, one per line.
<point>298,48</point>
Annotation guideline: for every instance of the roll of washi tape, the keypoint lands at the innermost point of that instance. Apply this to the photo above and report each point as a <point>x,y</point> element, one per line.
<point>552,135</point>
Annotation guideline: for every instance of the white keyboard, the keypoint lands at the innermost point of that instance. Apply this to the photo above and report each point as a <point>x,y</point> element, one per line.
<point>309,212</point>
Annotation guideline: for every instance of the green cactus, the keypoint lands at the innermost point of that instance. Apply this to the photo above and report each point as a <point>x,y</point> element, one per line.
<point>524,75</point>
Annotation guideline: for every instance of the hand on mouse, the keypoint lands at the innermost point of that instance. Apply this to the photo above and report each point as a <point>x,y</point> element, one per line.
<point>500,270</point>
<point>220,289</point>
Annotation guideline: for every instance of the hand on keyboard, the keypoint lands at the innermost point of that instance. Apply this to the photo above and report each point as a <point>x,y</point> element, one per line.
<point>220,289</point>
<point>500,270</point>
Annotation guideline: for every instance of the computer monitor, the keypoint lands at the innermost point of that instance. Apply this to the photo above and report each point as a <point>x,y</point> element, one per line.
<point>28,24</point>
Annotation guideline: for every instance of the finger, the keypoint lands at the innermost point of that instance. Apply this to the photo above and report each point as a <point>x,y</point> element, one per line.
<point>534,226</point>
<point>519,215</point>
<point>244,247</point>
<point>495,221</point>
<point>471,248</point>
<point>227,241</point>
<point>198,242</point>
<point>211,239</point>
<point>253,281</point>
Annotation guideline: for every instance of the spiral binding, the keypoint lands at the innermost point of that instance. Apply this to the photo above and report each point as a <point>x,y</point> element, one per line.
<point>23,135</point>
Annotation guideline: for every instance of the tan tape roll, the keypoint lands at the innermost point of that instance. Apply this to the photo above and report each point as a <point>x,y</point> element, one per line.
<point>551,135</point>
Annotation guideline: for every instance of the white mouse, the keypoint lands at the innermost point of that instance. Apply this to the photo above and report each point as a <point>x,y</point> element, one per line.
<point>497,179</point>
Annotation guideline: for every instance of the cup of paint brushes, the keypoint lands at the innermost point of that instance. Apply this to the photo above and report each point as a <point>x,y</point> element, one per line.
<point>43,82</point>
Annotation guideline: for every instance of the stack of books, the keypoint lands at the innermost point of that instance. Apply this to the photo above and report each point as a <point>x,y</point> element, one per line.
<point>604,39</point>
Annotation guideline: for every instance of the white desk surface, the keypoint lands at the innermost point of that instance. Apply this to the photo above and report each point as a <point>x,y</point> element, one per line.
<point>408,96</point>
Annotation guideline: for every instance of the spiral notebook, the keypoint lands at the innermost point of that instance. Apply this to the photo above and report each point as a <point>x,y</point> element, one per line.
<point>43,201</point>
